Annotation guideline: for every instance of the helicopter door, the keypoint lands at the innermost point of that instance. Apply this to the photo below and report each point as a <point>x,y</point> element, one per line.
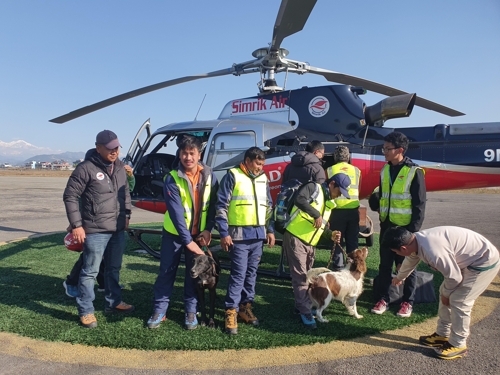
<point>136,149</point>
<point>227,150</point>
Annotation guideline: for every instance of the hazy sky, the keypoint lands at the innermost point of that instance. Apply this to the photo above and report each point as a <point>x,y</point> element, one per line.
<point>58,56</point>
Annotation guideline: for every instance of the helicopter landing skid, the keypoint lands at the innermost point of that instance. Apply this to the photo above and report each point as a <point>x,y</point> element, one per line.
<point>135,234</point>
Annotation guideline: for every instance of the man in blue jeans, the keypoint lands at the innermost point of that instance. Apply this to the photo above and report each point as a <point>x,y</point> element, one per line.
<point>97,202</point>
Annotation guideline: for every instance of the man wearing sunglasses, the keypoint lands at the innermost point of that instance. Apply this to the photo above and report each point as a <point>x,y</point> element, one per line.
<point>402,203</point>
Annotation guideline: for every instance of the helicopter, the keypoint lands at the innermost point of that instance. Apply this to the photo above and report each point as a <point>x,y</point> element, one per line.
<point>282,121</point>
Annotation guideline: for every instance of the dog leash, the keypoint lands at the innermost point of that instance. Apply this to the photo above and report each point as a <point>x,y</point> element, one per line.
<point>333,252</point>
<point>207,250</point>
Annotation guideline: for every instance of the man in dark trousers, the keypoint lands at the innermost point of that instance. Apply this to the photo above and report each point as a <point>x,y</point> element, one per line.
<point>97,202</point>
<point>307,165</point>
<point>243,211</point>
<point>345,217</point>
<point>402,203</point>
<point>190,192</point>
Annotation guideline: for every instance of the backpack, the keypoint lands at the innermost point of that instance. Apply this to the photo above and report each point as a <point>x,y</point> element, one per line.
<point>284,204</point>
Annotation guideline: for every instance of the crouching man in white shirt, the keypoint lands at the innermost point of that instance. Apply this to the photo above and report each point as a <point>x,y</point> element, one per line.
<point>468,262</point>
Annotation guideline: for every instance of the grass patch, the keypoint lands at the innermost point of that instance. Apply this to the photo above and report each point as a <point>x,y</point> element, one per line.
<point>33,304</point>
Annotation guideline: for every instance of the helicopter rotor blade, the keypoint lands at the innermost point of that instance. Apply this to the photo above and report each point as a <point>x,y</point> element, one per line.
<point>291,18</point>
<point>381,89</point>
<point>132,94</point>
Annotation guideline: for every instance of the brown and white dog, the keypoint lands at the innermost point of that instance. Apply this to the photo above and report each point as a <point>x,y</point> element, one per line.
<point>344,286</point>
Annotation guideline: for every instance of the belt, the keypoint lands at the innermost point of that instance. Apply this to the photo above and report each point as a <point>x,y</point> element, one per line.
<point>481,269</point>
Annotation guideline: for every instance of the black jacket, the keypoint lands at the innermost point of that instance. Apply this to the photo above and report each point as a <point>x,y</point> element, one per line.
<point>418,196</point>
<point>305,166</point>
<point>95,199</point>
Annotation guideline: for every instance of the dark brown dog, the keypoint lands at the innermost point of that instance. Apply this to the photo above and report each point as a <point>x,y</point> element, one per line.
<point>206,269</point>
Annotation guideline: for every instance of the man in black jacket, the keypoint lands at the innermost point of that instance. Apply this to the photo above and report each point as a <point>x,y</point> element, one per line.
<point>306,165</point>
<point>97,202</point>
<point>402,203</point>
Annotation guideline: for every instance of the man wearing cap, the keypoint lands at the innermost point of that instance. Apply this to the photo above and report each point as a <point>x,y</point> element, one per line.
<point>97,202</point>
<point>308,223</point>
<point>345,217</point>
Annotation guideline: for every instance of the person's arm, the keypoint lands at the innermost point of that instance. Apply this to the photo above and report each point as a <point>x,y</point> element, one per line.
<point>224,196</point>
<point>75,187</point>
<point>270,239</point>
<point>418,198</point>
<point>303,198</point>
<point>320,175</point>
<point>409,264</point>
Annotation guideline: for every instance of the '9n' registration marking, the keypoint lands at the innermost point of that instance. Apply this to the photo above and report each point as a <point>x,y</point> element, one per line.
<point>492,155</point>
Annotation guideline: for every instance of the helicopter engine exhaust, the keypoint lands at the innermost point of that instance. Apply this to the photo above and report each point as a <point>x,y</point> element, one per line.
<point>389,108</point>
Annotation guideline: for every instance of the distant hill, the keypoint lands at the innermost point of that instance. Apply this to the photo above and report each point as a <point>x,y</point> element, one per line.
<point>66,156</point>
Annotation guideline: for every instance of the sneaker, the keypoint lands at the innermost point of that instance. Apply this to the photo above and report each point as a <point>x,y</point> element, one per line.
<point>405,310</point>
<point>155,320</point>
<point>102,290</point>
<point>190,321</point>
<point>230,322</point>
<point>433,340</point>
<point>246,314</point>
<point>71,290</point>
<point>313,311</point>
<point>88,321</point>
<point>308,320</point>
<point>380,307</point>
<point>448,351</point>
<point>122,307</point>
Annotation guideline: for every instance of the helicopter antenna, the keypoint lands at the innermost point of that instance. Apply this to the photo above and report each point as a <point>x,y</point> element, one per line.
<point>195,117</point>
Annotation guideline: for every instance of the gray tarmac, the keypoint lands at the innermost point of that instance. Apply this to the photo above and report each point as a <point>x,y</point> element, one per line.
<point>31,206</point>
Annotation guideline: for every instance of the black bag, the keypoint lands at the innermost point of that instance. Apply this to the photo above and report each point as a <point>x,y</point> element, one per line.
<point>424,289</point>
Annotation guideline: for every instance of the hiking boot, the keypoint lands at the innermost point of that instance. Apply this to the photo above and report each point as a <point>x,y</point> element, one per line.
<point>405,310</point>
<point>433,340</point>
<point>448,351</point>
<point>308,320</point>
<point>155,320</point>
<point>380,307</point>
<point>190,321</point>
<point>88,321</point>
<point>71,290</point>
<point>230,322</point>
<point>122,307</point>
<point>246,314</point>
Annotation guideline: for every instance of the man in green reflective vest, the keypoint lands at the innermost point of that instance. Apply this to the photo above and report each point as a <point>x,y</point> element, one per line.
<point>402,203</point>
<point>345,217</point>
<point>308,223</point>
<point>190,192</point>
<point>242,215</point>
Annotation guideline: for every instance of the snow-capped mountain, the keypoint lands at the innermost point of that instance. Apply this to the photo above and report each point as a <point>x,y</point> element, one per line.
<point>20,150</point>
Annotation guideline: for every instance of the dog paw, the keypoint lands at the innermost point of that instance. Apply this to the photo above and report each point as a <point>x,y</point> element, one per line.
<point>211,324</point>
<point>358,316</point>
<point>322,320</point>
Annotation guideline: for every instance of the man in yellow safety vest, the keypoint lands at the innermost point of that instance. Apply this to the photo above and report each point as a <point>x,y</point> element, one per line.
<point>345,217</point>
<point>402,203</point>
<point>242,217</point>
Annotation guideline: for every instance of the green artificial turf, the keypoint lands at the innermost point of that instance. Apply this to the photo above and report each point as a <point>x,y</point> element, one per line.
<point>33,304</point>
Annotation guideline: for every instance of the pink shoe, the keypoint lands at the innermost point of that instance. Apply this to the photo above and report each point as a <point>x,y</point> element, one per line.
<point>380,307</point>
<point>405,310</point>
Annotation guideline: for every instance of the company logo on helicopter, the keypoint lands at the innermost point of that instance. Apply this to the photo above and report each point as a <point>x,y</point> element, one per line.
<point>319,106</point>
<point>258,105</point>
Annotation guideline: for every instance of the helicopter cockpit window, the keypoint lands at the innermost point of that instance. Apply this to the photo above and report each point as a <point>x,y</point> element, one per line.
<point>227,149</point>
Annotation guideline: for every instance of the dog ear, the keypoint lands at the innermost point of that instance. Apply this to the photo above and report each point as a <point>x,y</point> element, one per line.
<point>213,263</point>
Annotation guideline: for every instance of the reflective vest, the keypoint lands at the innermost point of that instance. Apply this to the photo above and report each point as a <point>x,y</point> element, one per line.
<point>248,205</point>
<point>301,224</point>
<point>187,203</point>
<point>395,197</point>
<point>354,174</point>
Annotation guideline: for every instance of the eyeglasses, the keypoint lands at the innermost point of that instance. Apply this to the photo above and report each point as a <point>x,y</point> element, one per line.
<point>384,150</point>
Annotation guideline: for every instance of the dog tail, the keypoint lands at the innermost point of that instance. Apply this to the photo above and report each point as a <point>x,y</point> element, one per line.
<point>313,273</point>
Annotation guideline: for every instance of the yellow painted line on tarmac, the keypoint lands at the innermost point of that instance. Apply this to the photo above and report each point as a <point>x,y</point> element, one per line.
<point>16,345</point>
